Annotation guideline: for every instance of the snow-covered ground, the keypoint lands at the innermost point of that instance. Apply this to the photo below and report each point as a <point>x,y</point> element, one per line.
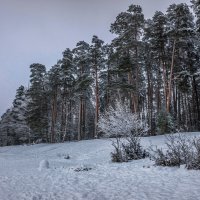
<point>42,172</point>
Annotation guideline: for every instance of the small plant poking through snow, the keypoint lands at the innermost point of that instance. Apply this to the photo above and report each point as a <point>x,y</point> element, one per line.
<point>180,150</point>
<point>65,156</point>
<point>126,127</point>
<point>83,168</point>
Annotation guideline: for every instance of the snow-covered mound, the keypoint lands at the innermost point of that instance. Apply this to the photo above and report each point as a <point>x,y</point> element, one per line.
<point>89,174</point>
<point>44,164</point>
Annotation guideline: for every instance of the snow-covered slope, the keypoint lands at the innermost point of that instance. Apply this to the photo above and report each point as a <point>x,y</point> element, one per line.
<point>43,172</point>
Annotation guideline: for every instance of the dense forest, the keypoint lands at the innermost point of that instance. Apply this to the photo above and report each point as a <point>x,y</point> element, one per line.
<point>154,64</point>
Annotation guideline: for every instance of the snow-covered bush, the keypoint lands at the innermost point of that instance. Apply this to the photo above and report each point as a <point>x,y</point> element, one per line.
<point>133,149</point>
<point>177,151</point>
<point>180,150</point>
<point>119,122</point>
<point>166,159</point>
<point>118,154</point>
<point>194,161</point>
<point>128,149</point>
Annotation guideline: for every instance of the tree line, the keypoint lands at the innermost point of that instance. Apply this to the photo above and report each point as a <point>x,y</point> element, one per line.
<point>151,63</point>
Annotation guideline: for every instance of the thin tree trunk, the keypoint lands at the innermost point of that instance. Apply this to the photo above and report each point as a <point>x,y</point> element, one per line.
<point>97,101</point>
<point>83,119</point>
<point>64,117</point>
<point>80,119</point>
<point>197,102</point>
<point>136,96</point>
<point>179,119</point>
<point>53,116</point>
<point>164,84</point>
<point>171,76</point>
<point>108,87</point>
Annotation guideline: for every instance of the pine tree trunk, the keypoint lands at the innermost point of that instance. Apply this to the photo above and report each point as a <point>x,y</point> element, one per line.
<point>174,102</point>
<point>158,95</point>
<point>80,119</point>
<point>194,85</point>
<point>52,122</point>
<point>164,83</point>
<point>108,87</point>
<point>179,119</point>
<point>171,76</point>
<point>63,118</point>
<point>97,101</point>
<point>150,99</point>
<point>136,96</point>
<point>69,126</point>
<point>53,116</point>
<point>83,119</point>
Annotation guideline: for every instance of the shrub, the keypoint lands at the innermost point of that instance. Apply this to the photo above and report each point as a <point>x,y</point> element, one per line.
<point>133,149</point>
<point>180,150</point>
<point>177,153</point>
<point>194,161</point>
<point>129,149</point>
<point>166,159</point>
<point>120,122</point>
<point>118,154</point>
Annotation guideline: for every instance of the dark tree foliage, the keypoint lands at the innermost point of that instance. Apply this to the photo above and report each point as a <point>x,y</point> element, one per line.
<point>37,113</point>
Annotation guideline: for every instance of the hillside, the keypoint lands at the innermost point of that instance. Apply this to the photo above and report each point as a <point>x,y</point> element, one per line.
<point>89,174</point>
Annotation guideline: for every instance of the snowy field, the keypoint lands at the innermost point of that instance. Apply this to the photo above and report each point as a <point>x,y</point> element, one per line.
<point>24,174</point>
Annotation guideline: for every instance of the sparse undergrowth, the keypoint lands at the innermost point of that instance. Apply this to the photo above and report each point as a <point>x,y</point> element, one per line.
<point>195,158</point>
<point>130,149</point>
<point>180,151</point>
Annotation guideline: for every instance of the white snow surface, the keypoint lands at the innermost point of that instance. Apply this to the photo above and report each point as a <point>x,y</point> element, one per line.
<point>21,179</point>
<point>44,164</point>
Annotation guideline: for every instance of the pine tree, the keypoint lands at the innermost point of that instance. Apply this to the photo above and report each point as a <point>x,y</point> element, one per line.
<point>155,39</point>
<point>97,63</point>
<point>180,28</point>
<point>7,132</point>
<point>19,119</point>
<point>54,85</point>
<point>37,116</point>
<point>128,26</point>
<point>67,85</point>
<point>13,126</point>
<point>158,41</point>
<point>83,84</point>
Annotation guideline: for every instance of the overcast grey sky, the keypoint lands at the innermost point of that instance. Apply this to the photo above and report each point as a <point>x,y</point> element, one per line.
<point>39,30</point>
